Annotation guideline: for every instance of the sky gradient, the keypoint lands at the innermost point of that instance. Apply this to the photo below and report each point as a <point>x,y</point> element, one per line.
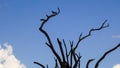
<point>20,20</point>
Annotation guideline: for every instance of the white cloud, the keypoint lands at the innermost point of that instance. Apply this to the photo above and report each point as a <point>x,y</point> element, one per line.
<point>116,66</point>
<point>116,36</point>
<point>8,59</point>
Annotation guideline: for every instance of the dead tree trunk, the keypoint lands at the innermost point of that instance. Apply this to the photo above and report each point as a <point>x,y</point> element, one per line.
<point>69,59</point>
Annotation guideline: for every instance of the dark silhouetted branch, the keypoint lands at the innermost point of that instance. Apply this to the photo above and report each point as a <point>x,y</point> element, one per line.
<point>39,64</point>
<point>66,52</point>
<point>89,34</point>
<point>46,34</point>
<point>105,54</point>
<point>77,62</point>
<point>56,63</point>
<point>89,61</point>
<point>61,49</point>
<point>71,53</point>
<point>47,66</point>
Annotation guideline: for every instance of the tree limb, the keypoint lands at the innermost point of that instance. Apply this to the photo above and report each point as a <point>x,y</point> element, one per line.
<point>89,34</point>
<point>105,54</point>
<point>46,34</point>
<point>66,52</point>
<point>71,53</point>
<point>77,62</point>
<point>39,64</point>
<point>56,63</point>
<point>61,49</point>
<point>89,61</point>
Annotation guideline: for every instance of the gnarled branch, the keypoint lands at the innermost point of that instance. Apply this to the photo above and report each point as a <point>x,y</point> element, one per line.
<point>46,34</point>
<point>90,32</point>
<point>70,58</point>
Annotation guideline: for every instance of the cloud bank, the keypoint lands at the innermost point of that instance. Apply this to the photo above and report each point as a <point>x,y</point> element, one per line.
<point>116,66</point>
<point>7,58</point>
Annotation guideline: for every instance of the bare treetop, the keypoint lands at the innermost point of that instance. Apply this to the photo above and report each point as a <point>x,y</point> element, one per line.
<point>69,58</point>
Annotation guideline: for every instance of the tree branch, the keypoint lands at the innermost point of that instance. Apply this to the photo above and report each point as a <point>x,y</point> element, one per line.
<point>56,63</point>
<point>71,53</point>
<point>39,64</point>
<point>77,62</point>
<point>46,34</point>
<point>90,32</point>
<point>61,49</point>
<point>105,54</point>
<point>66,52</point>
<point>89,61</point>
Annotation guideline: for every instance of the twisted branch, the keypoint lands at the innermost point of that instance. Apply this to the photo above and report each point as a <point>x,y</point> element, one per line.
<point>46,34</point>
<point>90,32</point>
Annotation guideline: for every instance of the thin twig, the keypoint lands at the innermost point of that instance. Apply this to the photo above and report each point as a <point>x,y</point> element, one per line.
<point>89,61</point>
<point>39,64</point>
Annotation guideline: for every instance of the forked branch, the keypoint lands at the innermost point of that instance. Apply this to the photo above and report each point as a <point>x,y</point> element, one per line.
<point>90,32</point>
<point>46,34</point>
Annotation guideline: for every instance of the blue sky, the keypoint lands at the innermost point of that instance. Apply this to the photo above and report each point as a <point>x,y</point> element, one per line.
<point>20,20</point>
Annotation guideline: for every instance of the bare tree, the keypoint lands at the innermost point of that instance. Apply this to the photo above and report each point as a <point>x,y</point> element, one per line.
<point>70,58</point>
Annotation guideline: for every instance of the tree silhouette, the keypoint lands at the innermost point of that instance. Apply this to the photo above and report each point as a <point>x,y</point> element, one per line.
<point>70,58</point>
